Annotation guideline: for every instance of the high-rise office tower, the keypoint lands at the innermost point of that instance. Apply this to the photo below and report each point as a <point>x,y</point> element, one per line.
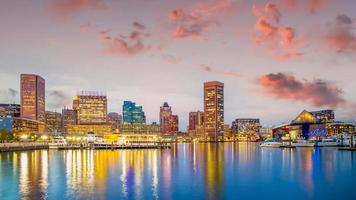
<point>214,109</point>
<point>132,113</point>
<point>69,117</point>
<point>90,107</point>
<point>196,123</point>
<point>168,121</point>
<point>53,121</point>
<point>33,98</point>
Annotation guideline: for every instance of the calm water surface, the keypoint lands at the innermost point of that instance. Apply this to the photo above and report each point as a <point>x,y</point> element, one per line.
<point>187,171</point>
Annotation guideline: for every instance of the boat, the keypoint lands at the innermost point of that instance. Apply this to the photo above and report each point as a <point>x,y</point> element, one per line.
<point>327,142</point>
<point>345,139</point>
<point>57,143</point>
<point>271,143</point>
<point>303,143</point>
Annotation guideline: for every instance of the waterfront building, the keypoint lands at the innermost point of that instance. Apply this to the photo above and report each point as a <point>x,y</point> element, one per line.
<point>90,107</point>
<point>25,126</point>
<point>246,126</point>
<point>138,128</point>
<point>266,132</point>
<point>83,129</point>
<point>6,123</point>
<point>305,125</point>
<point>69,117</point>
<point>132,113</point>
<point>53,122</point>
<point>196,123</point>
<point>13,110</point>
<point>337,128</point>
<point>227,131</point>
<point>32,95</point>
<point>168,121</point>
<point>324,116</point>
<point>214,109</point>
<point>114,119</point>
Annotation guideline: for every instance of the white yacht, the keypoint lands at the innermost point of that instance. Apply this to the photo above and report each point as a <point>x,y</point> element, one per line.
<point>271,143</point>
<point>57,142</point>
<point>327,142</point>
<point>303,143</point>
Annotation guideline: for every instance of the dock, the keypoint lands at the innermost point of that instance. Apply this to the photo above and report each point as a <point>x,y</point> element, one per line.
<point>22,146</point>
<point>347,149</point>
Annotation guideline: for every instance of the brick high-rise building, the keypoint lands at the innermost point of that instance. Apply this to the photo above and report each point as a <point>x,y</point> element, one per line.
<point>196,123</point>
<point>33,98</point>
<point>168,121</point>
<point>214,109</point>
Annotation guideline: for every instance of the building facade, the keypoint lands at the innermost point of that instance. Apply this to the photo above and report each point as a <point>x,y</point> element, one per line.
<point>25,126</point>
<point>90,107</point>
<point>69,117</point>
<point>32,94</point>
<point>168,121</point>
<point>148,129</point>
<point>53,122</point>
<point>132,113</point>
<point>246,126</point>
<point>324,116</point>
<point>196,123</point>
<point>214,109</point>
<point>114,119</point>
<point>13,110</point>
<point>6,123</point>
<point>337,128</point>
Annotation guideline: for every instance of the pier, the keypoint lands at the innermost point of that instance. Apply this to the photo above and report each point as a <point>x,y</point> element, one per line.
<point>22,146</point>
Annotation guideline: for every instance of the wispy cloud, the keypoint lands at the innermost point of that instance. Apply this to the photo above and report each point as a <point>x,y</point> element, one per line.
<point>317,92</point>
<point>131,44</point>
<point>210,69</point>
<point>194,22</point>
<point>57,99</point>
<point>66,9</point>
<point>341,36</point>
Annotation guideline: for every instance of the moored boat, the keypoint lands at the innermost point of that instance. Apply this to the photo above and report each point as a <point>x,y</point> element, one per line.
<point>327,142</point>
<point>303,143</point>
<point>57,142</point>
<point>271,143</point>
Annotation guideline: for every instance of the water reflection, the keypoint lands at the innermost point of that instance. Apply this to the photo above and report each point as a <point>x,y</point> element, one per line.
<point>199,171</point>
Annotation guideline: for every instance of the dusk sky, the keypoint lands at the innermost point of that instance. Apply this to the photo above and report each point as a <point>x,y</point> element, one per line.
<point>276,58</point>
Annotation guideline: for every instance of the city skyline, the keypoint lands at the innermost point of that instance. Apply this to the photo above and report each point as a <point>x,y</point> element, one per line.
<point>69,46</point>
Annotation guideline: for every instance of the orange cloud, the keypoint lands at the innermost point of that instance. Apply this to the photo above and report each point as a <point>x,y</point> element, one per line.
<point>281,39</point>
<point>192,23</point>
<point>316,93</point>
<point>68,8</point>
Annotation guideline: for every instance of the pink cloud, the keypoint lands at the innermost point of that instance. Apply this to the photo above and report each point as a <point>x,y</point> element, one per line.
<point>124,45</point>
<point>210,69</point>
<point>281,40</point>
<point>193,23</point>
<point>85,27</point>
<point>311,6</point>
<point>317,92</point>
<point>68,8</point>
<point>341,36</point>
<point>267,12</point>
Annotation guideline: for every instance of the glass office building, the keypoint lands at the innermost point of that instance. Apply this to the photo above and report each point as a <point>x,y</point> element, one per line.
<point>132,113</point>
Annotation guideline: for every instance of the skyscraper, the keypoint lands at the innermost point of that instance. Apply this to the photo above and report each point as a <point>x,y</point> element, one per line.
<point>214,109</point>
<point>196,123</point>
<point>132,113</point>
<point>69,117</point>
<point>53,121</point>
<point>33,98</point>
<point>168,121</point>
<point>90,107</point>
